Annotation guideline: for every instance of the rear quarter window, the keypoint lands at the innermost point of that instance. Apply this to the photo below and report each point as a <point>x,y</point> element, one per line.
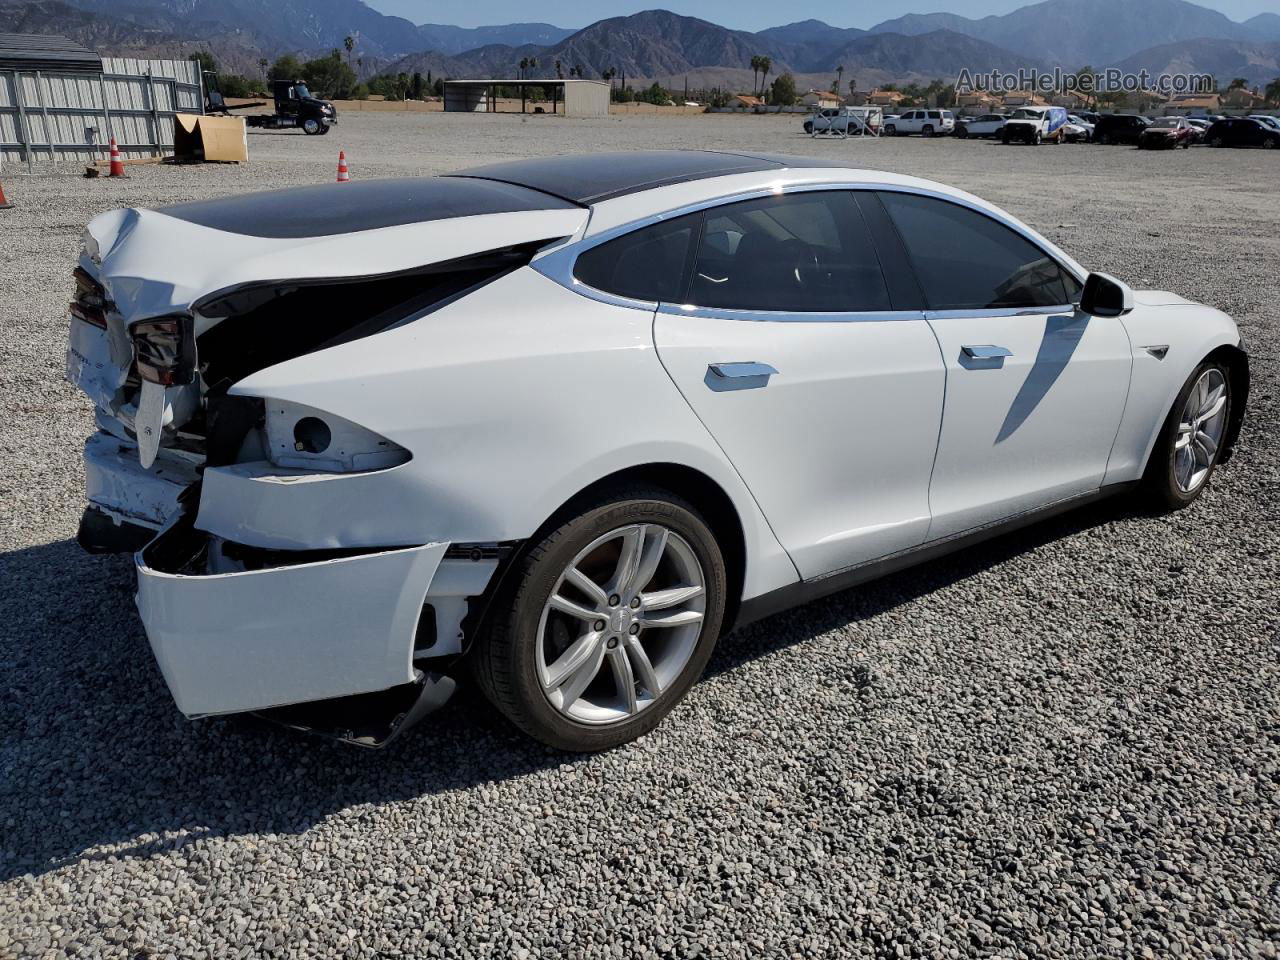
<point>651,264</point>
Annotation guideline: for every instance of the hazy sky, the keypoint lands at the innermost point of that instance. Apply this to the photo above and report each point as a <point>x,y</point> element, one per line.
<point>739,14</point>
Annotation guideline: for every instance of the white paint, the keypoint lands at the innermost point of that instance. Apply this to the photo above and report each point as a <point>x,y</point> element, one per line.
<point>838,444</point>
<point>116,482</point>
<point>250,640</point>
<point>1032,429</point>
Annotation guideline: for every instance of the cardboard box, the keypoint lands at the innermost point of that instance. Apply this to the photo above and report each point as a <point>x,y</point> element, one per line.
<point>200,139</point>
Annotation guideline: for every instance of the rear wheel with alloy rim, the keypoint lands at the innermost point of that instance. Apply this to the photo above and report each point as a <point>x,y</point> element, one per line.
<point>607,621</point>
<point>1190,443</point>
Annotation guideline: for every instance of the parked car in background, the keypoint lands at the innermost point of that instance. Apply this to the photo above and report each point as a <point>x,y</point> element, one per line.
<point>1035,125</point>
<point>1078,129</point>
<point>352,438</point>
<point>987,125</point>
<point>1266,120</point>
<point>1119,128</point>
<point>1199,127</point>
<point>1242,132</point>
<point>1088,116</point>
<point>1167,133</point>
<point>927,123</point>
<point>844,120</point>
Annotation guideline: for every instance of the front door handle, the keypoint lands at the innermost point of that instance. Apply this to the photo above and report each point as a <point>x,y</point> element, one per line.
<point>986,351</point>
<point>737,371</point>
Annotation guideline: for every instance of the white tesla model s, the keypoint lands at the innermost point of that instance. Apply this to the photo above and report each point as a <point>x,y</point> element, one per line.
<point>558,424</point>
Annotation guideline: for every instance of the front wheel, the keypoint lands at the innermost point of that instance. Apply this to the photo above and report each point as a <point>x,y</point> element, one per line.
<point>311,126</point>
<point>1270,143</point>
<point>606,622</point>
<point>890,130</point>
<point>1190,442</point>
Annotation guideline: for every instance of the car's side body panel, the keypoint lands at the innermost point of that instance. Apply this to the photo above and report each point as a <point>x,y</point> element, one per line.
<point>511,400</point>
<point>1169,337</point>
<point>1031,428</point>
<point>838,444</point>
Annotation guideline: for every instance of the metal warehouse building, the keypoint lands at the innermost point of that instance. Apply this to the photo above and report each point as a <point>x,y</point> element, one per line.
<point>572,98</point>
<point>60,101</point>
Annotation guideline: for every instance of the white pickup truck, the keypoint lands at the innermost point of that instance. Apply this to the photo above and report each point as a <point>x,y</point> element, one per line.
<point>927,123</point>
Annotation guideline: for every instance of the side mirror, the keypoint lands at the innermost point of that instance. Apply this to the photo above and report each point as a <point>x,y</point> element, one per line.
<point>1105,296</point>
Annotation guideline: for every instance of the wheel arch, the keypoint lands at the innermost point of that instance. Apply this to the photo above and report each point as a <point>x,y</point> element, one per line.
<point>1236,360</point>
<point>708,496</point>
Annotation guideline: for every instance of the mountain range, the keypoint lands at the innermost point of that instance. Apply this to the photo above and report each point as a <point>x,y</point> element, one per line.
<point>663,46</point>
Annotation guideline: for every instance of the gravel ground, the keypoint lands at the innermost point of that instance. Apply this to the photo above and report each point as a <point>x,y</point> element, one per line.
<point>1065,743</point>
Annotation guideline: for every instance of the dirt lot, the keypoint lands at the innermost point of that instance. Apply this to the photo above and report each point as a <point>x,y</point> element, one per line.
<point>1066,743</point>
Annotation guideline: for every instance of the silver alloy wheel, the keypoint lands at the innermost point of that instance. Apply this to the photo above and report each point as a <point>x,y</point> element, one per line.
<point>1200,430</point>
<point>621,623</point>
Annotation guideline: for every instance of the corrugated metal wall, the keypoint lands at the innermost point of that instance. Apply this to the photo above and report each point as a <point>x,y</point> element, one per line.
<point>55,117</point>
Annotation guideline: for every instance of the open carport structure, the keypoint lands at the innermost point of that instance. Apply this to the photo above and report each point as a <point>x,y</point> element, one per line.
<point>572,98</point>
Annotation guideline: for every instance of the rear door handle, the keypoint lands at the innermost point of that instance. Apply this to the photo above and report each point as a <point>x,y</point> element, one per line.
<point>736,371</point>
<point>985,351</point>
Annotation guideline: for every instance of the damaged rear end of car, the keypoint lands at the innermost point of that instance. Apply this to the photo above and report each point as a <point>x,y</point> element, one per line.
<point>228,498</point>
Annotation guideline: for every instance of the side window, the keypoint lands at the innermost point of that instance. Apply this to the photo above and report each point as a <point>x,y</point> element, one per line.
<point>651,263</point>
<point>795,253</point>
<point>968,261</point>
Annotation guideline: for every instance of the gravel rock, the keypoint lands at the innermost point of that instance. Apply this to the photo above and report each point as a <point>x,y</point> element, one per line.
<point>1064,743</point>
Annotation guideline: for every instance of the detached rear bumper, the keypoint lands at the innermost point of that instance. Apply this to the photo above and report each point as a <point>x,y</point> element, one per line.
<point>261,638</point>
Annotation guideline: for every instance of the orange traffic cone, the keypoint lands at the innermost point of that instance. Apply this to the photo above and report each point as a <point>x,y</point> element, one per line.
<point>4,204</point>
<point>343,173</point>
<point>117,165</point>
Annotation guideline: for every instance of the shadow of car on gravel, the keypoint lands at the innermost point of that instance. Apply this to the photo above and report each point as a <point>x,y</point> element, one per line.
<point>95,762</point>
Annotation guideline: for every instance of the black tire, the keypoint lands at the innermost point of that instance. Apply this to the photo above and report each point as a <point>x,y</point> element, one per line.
<point>311,126</point>
<point>1270,143</point>
<point>808,128</point>
<point>1159,490</point>
<point>504,659</point>
<point>1105,140</point>
<point>1217,142</point>
<point>926,130</point>
<point>890,130</point>
<point>1036,139</point>
<point>962,133</point>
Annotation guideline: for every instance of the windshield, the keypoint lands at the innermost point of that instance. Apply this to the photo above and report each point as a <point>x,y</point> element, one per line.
<point>302,91</point>
<point>1025,115</point>
<point>1165,123</point>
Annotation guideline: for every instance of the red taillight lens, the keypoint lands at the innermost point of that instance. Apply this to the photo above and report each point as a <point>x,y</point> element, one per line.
<point>90,303</point>
<point>164,350</point>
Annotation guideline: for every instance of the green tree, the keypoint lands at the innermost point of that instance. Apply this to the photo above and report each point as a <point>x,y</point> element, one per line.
<point>235,85</point>
<point>783,91</point>
<point>263,63</point>
<point>330,77</point>
<point>524,65</point>
<point>206,61</point>
<point>1239,83</point>
<point>559,72</point>
<point>765,66</point>
<point>835,87</point>
<point>1272,92</point>
<point>349,42</point>
<point>755,73</point>
<point>286,67</point>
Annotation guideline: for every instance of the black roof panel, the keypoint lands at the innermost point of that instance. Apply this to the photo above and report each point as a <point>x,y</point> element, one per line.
<point>41,51</point>
<point>593,177</point>
<point>332,208</point>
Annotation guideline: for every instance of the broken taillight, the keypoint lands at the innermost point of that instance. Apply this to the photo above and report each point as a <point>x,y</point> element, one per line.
<point>90,302</point>
<point>164,349</point>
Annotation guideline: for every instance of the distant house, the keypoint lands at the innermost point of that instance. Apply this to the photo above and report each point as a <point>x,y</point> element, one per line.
<point>1070,99</point>
<point>1021,98</point>
<point>745,100</point>
<point>978,100</point>
<point>885,98</point>
<point>1192,104</point>
<point>821,98</point>
<point>1242,99</point>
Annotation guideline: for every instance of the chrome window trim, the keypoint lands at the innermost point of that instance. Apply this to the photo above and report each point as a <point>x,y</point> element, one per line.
<point>779,316</point>
<point>974,313</point>
<point>558,264</point>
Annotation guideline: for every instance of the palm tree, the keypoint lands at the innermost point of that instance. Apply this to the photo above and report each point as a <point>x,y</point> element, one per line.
<point>559,72</point>
<point>765,66</point>
<point>263,63</point>
<point>349,42</point>
<point>1239,83</point>
<point>755,72</point>
<point>524,65</point>
<point>839,78</point>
